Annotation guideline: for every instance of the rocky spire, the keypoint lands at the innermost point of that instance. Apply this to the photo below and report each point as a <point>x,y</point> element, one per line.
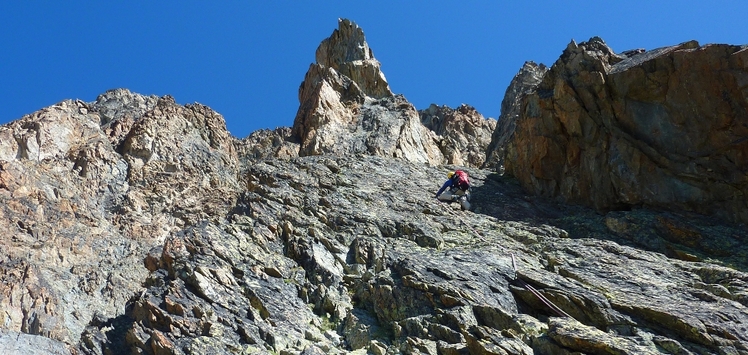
<point>347,52</point>
<point>346,106</point>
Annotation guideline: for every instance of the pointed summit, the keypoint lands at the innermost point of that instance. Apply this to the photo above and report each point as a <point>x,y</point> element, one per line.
<point>346,44</point>
<point>346,106</point>
<point>347,52</point>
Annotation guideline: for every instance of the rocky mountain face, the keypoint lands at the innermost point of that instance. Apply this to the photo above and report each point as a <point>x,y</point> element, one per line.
<point>665,129</point>
<point>465,133</point>
<point>134,225</point>
<point>346,107</point>
<point>87,188</point>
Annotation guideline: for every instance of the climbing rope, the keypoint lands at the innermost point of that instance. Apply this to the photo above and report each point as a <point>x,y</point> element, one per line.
<point>560,312</point>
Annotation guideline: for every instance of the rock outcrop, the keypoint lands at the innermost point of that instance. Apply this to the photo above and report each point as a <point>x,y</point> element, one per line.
<point>133,225</point>
<point>522,84</point>
<point>266,144</point>
<point>465,134</point>
<point>665,128</point>
<point>88,189</point>
<point>347,53</point>
<point>346,106</point>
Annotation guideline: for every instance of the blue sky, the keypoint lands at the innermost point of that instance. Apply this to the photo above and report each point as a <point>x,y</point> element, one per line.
<point>246,59</point>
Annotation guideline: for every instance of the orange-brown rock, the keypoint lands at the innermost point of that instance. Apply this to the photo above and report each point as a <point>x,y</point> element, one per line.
<point>465,133</point>
<point>667,128</point>
<point>523,83</point>
<point>346,106</point>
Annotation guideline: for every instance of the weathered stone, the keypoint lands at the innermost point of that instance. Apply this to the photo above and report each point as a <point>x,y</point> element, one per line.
<point>465,133</point>
<point>346,106</point>
<point>522,84</point>
<point>579,337</point>
<point>263,144</point>
<point>21,343</point>
<point>148,229</point>
<point>665,128</point>
<point>347,52</point>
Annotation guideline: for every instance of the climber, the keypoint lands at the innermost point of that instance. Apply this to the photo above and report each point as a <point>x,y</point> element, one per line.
<point>458,184</point>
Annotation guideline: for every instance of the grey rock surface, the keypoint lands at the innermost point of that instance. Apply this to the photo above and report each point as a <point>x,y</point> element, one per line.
<point>134,225</point>
<point>415,275</point>
<point>12,343</point>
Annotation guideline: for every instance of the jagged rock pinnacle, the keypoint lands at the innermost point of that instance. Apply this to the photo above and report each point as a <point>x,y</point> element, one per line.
<point>347,52</point>
<point>346,106</point>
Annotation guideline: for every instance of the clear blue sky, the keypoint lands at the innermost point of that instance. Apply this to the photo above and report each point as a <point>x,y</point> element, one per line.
<point>246,59</point>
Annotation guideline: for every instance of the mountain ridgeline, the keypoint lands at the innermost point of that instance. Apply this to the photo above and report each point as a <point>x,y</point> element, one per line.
<point>609,211</point>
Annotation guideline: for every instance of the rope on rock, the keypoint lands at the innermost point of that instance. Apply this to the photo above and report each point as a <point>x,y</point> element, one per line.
<point>560,312</point>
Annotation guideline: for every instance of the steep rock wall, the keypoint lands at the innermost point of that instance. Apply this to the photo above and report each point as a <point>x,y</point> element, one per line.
<point>522,84</point>
<point>666,128</point>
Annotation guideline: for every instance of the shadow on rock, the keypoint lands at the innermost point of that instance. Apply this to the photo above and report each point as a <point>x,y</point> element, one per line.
<point>677,234</point>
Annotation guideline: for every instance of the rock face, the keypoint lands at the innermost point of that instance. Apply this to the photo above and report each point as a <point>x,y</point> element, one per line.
<point>665,128</point>
<point>465,133</point>
<point>88,189</point>
<point>133,225</point>
<point>522,84</point>
<point>347,53</point>
<point>346,106</point>
<point>265,144</point>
